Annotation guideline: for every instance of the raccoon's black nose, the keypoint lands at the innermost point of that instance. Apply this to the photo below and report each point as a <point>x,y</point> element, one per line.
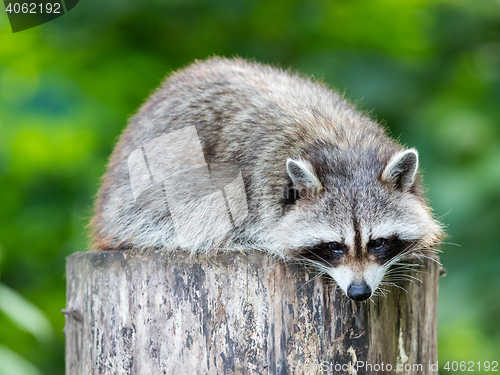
<point>359,291</point>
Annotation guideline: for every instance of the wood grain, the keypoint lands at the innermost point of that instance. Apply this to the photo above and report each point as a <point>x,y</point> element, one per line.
<point>155,313</point>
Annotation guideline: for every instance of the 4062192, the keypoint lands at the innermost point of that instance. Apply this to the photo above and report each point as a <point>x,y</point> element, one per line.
<point>33,8</point>
<point>471,366</point>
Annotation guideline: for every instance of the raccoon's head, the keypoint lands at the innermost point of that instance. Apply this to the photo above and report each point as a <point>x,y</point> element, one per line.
<point>354,215</point>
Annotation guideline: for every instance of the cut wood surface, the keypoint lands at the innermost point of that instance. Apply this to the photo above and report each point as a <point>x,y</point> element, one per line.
<point>155,313</point>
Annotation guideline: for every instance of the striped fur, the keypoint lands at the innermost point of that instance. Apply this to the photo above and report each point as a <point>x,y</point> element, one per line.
<point>315,170</point>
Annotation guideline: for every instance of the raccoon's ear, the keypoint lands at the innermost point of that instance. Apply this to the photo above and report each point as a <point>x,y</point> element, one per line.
<point>402,169</point>
<point>302,174</point>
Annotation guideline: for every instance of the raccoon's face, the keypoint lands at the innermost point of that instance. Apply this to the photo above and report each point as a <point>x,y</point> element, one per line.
<point>354,226</point>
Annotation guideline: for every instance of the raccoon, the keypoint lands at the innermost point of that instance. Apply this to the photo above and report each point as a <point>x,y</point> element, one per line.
<point>316,180</point>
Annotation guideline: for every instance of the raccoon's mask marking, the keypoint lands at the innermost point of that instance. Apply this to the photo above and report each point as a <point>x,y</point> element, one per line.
<point>359,263</point>
<point>359,275</point>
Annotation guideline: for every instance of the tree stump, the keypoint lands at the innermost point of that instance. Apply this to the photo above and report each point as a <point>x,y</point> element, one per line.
<point>157,313</point>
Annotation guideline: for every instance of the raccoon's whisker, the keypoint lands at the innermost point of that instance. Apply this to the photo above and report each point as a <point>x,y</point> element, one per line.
<point>371,299</point>
<point>430,258</point>
<point>400,256</point>
<point>435,248</point>
<point>396,273</point>
<point>396,286</point>
<point>404,277</point>
<point>406,267</point>
<point>382,291</point>
<point>405,273</point>
<point>450,243</point>
<point>388,265</point>
<point>315,264</point>
<point>398,281</point>
<point>444,215</point>
<point>401,269</point>
<point>402,274</point>
<point>421,257</point>
<point>431,250</point>
<point>407,264</point>
<point>400,277</point>
<point>403,255</point>
<point>309,281</point>
<point>310,251</point>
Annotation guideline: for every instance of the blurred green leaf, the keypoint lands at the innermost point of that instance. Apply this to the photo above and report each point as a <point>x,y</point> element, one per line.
<point>25,314</point>
<point>12,363</point>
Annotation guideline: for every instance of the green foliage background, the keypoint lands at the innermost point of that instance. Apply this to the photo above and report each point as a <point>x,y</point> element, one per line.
<point>429,68</point>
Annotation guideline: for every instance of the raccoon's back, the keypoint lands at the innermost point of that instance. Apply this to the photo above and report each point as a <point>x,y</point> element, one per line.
<point>246,114</point>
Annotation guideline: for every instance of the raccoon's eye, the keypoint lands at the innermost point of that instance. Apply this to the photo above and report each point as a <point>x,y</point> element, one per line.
<point>377,244</point>
<point>336,247</point>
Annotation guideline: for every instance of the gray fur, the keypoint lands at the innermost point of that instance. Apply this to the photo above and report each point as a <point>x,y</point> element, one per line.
<point>258,117</point>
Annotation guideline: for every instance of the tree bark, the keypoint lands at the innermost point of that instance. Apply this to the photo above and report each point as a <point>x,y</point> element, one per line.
<point>156,313</point>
